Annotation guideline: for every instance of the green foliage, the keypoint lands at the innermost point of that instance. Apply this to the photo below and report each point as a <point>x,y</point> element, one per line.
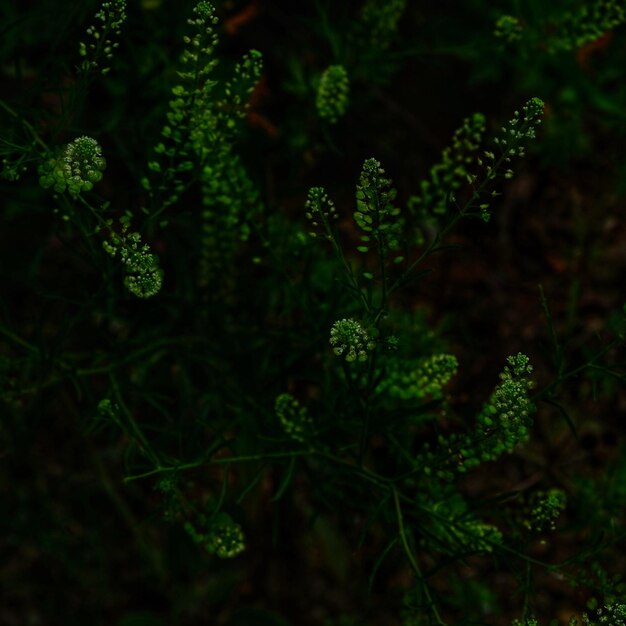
<point>185,117</point>
<point>502,424</point>
<point>462,531</point>
<point>378,22</point>
<point>439,194</point>
<point>573,28</point>
<point>201,125</point>
<point>333,93</point>
<point>326,400</point>
<point>230,199</point>
<point>447,177</point>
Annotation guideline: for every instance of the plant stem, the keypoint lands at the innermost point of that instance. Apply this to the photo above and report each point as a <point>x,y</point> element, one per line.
<point>413,561</point>
<point>141,438</point>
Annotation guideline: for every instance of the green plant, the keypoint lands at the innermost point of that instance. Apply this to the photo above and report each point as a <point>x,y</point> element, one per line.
<point>271,386</point>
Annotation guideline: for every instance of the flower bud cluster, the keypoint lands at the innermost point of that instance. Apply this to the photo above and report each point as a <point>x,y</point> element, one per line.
<point>506,417</point>
<point>514,137</point>
<point>611,614</point>
<point>376,214</point>
<point>350,340</point>
<point>223,537</point>
<point>379,19</point>
<point>294,418</point>
<point>568,30</point>
<point>426,378</point>
<point>447,176</point>
<point>508,28</point>
<point>110,17</point>
<point>320,211</point>
<point>502,424</point>
<point>201,43</point>
<point>544,510</point>
<point>530,620</point>
<point>144,277</point>
<point>461,529</point>
<point>107,410</point>
<point>333,93</point>
<point>77,169</point>
<point>237,90</point>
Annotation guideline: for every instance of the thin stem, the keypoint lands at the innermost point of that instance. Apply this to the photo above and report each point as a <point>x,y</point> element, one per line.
<point>491,174</point>
<point>546,391</point>
<point>412,560</point>
<point>18,340</point>
<point>146,447</point>
<point>26,125</point>
<point>227,461</point>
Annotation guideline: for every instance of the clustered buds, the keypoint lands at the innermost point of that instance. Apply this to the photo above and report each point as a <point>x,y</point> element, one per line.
<point>611,614</point>
<point>333,93</point>
<point>321,212</point>
<point>144,277</point>
<point>447,176</point>
<point>201,43</point>
<point>226,541</point>
<point>459,161</point>
<point>350,340</point>
<point>238,89</point>
<point>223,537</point>
<point>502,424</point>
<point>107,410</point>
<point>508,28</point>
<point>463,528</point>
<point>507,414</point>
<point>515,135</point>
<point>379,19</point>
<point>545,507</point>
<point>110,18</point>
<point>509,145</point>
<point>570,29</point>
<point>529,620</point>
<point>187,125</point>
<point>294,418</point>
<point>77,169</point>
<point>426,378</point>
<point>376,214</point>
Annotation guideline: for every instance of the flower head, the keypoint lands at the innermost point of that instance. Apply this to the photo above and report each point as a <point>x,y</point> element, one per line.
<point>77,168</point>
<point>351,340</point>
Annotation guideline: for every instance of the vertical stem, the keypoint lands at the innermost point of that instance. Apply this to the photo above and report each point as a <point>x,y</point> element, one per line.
<point>412,560</point>
<point>137,432</point>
